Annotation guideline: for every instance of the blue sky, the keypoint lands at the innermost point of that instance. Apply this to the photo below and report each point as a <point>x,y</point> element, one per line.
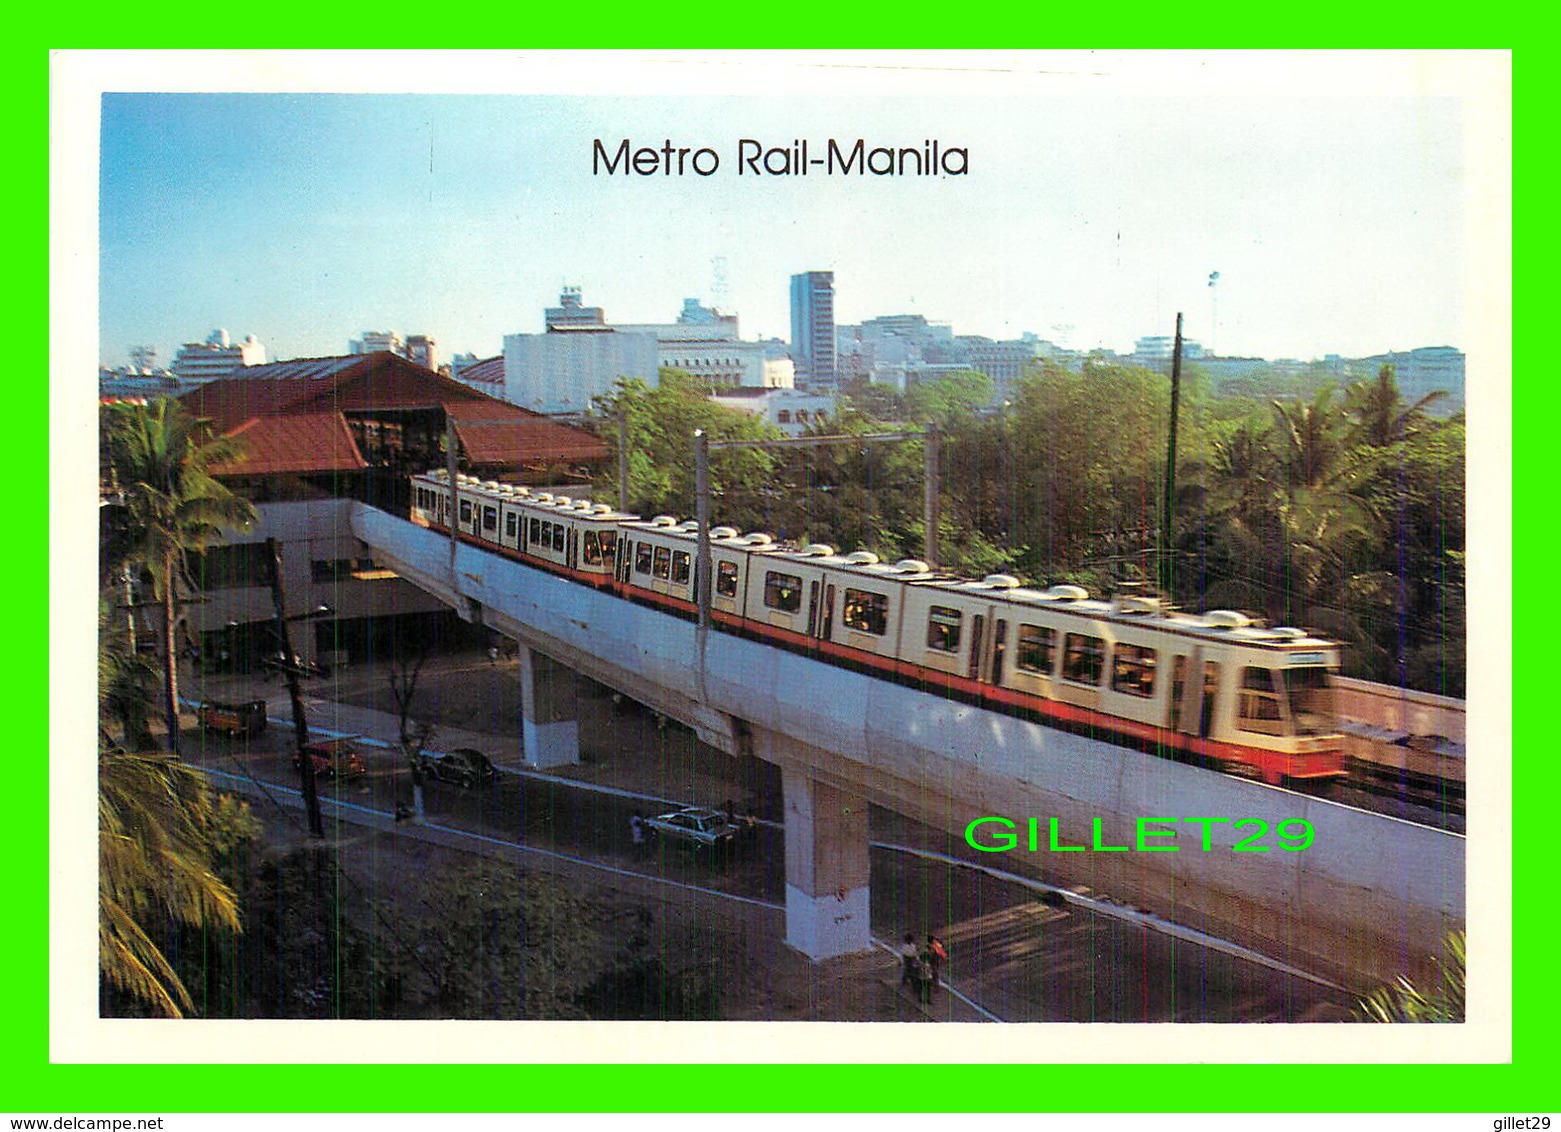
<point>1337,221</point>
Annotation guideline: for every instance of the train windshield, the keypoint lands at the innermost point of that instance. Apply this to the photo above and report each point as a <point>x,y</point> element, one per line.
<point>1311,700</point>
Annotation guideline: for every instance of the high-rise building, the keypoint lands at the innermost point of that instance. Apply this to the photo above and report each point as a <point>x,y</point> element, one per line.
<point>216,357</point>
<point>423,350</point>
<point>813,327</point>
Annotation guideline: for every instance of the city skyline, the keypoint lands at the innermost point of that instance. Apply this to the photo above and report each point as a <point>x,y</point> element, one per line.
<point>1337,224</point>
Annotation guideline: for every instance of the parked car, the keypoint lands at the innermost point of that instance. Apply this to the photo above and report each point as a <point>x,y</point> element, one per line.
<point>463,765</point>
<point>240,720</point>
<point>696,826</point>
<point>333,758</point>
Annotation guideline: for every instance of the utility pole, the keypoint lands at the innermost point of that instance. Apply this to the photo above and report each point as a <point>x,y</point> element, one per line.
<point>1166,532</point>
<point>930,488</point>
<point>290,674</point>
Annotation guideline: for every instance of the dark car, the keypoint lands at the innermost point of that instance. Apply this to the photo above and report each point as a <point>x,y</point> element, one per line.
<point>695,826</point>
<point>333,758</point>
<point>463,765</point>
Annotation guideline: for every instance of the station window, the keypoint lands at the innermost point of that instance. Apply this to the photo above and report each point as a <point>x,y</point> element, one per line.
<point>642,559</point>
<point>680,560</point>
<point>784,416</point>
<point>1132,670</point>
<point>663,564</point>
<point>1258,707</point>
<point>865,612</point>
<point>943,628</point>
<point>783,592</point>
<point>726,579</point>
<point>1037,649</point>
<point>592,549</point>
<point>1083,658</point>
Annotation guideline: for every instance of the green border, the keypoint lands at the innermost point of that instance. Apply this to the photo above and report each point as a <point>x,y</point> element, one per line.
<point>33,1085</point>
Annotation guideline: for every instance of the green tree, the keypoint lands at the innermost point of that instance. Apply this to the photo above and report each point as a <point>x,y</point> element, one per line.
<point>160,830</point>
<point>1378,412</point>
<point>159,461</point>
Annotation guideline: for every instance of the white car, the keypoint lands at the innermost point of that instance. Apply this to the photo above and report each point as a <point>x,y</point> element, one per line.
<point>702,828</point>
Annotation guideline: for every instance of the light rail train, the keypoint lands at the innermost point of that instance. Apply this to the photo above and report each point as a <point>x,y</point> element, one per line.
<point>1217,689</point>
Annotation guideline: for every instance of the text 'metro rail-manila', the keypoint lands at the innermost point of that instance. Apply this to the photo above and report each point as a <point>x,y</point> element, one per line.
<point>797,159</point>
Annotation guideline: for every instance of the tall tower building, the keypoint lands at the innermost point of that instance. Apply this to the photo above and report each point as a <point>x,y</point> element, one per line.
<point>813,327</point>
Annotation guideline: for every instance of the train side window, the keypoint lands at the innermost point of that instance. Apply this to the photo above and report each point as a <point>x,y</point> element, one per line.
<point>466,510</point>
<point>726,579</point>
<point>680,561</point>
<point>783,592</point>
<point>536,531</point>
<point>663,564</point>
<point>1037,649</point>
<point>943,628</point>
<point>642,558</point>
<point>490,518</point>
<point>1132,670</point>
<point>511,521</point>
<point>593,549</point>
<point>558,537</point>
<point>609,546</point>
<point>1257,709</point>
<point>1083,658</point>
<point>865,612</point>
<point>547,535</point>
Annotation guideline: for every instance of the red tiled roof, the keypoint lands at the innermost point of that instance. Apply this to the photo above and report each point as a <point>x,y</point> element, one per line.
<point>289,415</point>
<point>296,442</point>
<point>495,432</point>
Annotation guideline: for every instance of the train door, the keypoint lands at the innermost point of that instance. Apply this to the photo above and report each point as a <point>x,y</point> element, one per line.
<point>977,641</point>
<point>813,608</point>
<point>571,548</point>
<point>829,613</point>
<point>1186,695</point>
<point>999,649</point>
<point>1211,686</point>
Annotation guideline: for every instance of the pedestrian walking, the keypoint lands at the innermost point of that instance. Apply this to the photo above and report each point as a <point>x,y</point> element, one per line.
<point>637,833</point>
<point>493,654</point>
<point>910,960</point>
<point>937,955</point>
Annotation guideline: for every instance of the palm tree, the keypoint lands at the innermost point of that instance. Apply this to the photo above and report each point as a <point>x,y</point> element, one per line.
<point>160,458</point>
<point>1378,412</point>
<point>157,838</point>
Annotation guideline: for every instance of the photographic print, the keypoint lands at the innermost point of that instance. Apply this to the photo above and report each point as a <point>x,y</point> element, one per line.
<point>717,544</point>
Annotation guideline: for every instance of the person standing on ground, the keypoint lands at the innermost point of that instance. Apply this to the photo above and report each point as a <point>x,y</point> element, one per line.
<point>937,955</point>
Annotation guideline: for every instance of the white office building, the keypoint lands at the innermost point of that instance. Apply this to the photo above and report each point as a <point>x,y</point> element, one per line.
<point>216,357</point>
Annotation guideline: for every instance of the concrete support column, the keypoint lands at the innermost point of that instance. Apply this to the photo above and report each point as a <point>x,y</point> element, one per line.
<point>826,867</point>
<point>550,721</point>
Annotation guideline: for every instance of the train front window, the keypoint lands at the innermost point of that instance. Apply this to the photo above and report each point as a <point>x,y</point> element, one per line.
<point>1310,692</point>
<point>943,628</point>
<point>1258,707</point>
